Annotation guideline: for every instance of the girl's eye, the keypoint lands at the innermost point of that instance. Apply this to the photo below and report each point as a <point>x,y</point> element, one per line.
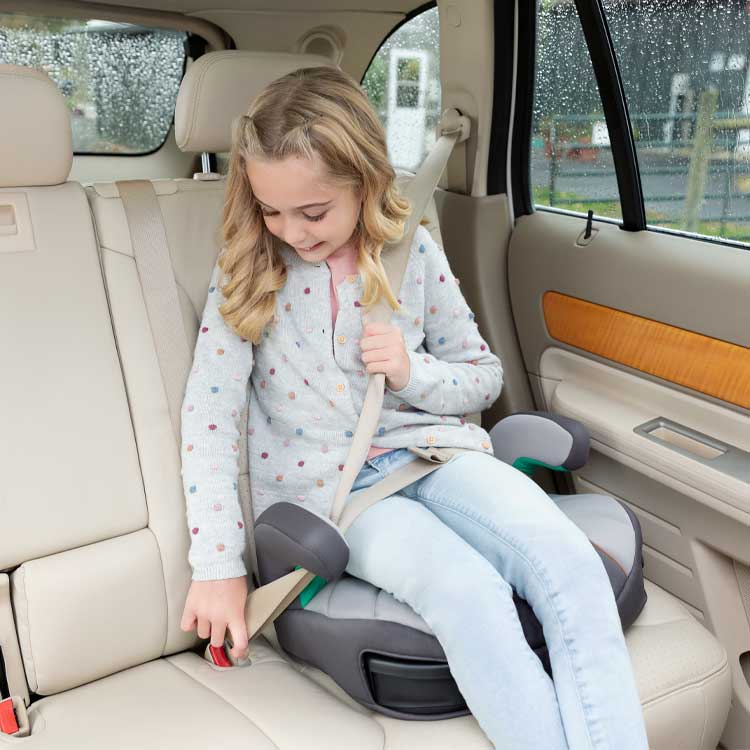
<point>319,217</point>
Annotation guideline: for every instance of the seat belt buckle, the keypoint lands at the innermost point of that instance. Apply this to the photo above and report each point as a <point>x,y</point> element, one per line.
<point>434,455</point>
<point>14,719</point>
<point>221,656</point>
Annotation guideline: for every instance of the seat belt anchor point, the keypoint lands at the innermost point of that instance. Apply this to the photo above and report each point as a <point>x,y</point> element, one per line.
<point>452,121</point>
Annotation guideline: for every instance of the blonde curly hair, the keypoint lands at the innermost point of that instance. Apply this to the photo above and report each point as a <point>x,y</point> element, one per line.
<point>322,111</point>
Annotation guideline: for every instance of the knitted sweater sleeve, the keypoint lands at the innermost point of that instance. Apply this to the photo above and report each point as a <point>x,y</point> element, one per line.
<point>456,374</point>
<point>215,396</point>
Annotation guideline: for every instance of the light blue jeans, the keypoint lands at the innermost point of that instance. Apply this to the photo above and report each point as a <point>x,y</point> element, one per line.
<point>451,545</point>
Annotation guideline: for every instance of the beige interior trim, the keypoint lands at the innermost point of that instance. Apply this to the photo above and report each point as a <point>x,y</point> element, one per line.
<point>215,36</point>
<point>611,403</point>
<point>465,85</point>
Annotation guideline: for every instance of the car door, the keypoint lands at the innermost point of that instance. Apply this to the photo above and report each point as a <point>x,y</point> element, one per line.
<point>637,322</point>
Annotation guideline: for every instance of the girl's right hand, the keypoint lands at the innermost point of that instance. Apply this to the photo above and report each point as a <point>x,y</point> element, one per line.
<point>216,605</point>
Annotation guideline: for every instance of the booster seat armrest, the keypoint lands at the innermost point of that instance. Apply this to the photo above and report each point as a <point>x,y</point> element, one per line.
<point>538,438</point>
<point>288,535</point>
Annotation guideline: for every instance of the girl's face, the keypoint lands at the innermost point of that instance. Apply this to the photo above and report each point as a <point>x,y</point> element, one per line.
<point>302,207</point>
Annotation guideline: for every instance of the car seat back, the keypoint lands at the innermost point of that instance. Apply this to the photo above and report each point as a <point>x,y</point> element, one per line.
<point>87,555</point>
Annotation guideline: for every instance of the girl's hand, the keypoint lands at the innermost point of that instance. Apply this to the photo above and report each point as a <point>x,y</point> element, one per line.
<point>216,605</point>
<point>384,350</point>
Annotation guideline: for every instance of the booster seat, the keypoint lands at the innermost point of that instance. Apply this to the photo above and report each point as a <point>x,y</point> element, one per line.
<point>375,647</point>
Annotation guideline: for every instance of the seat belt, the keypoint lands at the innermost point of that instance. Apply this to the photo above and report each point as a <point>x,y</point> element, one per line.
<point>148,236</point>
<point>155,271</point>
<point>453,128</point>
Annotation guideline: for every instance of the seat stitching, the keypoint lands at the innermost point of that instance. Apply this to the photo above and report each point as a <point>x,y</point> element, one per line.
<point>705,718</point>
<point>199,88</point>
<point>222,698</point>
<point>696,680</point>
<point>28,625</point>
<point>182,289</point>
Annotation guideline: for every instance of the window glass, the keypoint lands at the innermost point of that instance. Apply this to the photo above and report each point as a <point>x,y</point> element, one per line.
<point>119,81</point>
<point>403,83</point>
<point>684,66</point>
<point>571,157</point>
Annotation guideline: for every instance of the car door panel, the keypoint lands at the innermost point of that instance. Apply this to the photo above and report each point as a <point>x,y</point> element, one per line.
<point>650,329</point>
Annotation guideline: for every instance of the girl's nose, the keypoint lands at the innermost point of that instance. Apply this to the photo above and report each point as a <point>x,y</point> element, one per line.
<point>293,233</point>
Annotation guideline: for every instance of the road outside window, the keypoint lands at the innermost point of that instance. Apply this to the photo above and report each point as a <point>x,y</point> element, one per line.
<point>686,77</point>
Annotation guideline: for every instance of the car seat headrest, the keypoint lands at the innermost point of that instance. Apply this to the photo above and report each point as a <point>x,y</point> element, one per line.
<point>219,87</point>
<point>36,144</point>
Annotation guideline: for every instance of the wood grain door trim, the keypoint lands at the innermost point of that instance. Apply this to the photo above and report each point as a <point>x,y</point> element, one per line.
<point>707,365</point>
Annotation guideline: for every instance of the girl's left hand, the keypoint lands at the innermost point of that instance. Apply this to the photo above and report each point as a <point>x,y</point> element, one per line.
<point>384,350</point>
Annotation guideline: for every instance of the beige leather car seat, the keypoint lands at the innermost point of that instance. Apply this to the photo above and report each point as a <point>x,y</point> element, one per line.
<point>94,538</point>
<point>93,531</point>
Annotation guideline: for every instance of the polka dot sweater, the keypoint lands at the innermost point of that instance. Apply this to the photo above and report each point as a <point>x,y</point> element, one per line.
<point>308,385</point>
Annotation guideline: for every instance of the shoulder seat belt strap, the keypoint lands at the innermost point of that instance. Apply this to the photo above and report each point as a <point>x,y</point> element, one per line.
<point>153,263</point>
<point>453,128</point>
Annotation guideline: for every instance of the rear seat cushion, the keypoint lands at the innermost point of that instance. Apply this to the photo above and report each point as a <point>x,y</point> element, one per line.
<point>682,674</point>
<point>681,670</point>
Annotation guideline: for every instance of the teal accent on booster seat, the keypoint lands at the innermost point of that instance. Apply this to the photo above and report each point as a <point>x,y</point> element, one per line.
<point>311,589</point>
<point>529,465</point>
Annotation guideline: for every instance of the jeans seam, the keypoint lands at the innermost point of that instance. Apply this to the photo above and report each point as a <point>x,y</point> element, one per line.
<point>460,510</point>
<point>375,468</point>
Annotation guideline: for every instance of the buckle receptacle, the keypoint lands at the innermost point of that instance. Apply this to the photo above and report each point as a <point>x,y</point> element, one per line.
<point>14,719</point>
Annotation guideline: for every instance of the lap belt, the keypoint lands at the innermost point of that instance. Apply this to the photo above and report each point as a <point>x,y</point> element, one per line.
<point>395,481</point>
<point>155,271</point>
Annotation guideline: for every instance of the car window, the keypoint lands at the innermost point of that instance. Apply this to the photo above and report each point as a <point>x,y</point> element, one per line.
<point>685,73</point>
<point>403,84</point>
<point>571,156</point>
<point>119,80</point>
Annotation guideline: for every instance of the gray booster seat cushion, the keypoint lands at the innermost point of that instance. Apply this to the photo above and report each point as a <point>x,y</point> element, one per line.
<point>377,648</point>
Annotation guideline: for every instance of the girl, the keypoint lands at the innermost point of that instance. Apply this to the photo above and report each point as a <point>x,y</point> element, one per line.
<point>310,202</point>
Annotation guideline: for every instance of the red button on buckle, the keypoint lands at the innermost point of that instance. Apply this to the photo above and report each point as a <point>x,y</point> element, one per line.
<point>8,723</point>
<point>219,656</point>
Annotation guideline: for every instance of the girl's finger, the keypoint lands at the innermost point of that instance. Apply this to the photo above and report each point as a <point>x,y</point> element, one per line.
<point>218,631</point>
<point>238,630</point>
<point>204,627</point>
<point>188,620</point>
<point>373,328</point>
<point>376,342</point>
